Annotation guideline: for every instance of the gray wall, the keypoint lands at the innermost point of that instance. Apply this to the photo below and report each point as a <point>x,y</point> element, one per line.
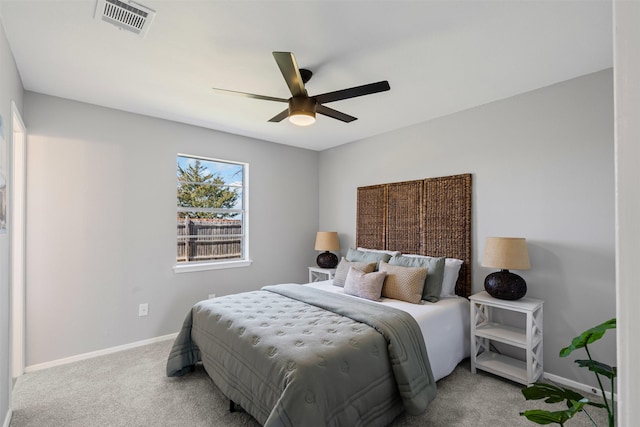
<point>627,106</point>
<point>10,90</point>
<point>101,224</point>
<point>543,168</point>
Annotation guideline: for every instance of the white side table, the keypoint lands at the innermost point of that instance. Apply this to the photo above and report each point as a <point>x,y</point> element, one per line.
<point>485,329</point>
<point>317,274</point>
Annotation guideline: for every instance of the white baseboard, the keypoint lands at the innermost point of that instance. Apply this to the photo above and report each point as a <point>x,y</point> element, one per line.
<point>93,354</point>
<point>7,419</point>
<point>578,386</point>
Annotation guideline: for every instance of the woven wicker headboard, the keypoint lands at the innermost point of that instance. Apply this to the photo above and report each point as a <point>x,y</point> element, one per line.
<point>427,217</point>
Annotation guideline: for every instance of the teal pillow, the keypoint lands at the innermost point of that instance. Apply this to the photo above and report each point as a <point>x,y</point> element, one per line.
<point>356,255</point>
<point>435,273</point>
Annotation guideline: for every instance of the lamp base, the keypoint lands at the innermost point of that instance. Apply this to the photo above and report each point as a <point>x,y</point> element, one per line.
<point>327,260</point>
<point>505,285</point>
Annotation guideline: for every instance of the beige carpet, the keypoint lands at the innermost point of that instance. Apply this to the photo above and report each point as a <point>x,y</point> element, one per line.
<point>130,388</point>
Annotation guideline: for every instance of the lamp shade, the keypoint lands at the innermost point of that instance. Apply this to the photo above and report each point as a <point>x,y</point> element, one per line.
<point>506,253</point>
<point>327,241</point>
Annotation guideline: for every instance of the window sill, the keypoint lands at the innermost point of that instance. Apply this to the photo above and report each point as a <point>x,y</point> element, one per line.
<point>204,266</point>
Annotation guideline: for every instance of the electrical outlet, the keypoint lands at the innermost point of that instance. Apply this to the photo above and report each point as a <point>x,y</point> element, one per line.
<point>143,310</point>
<point>212,296</point>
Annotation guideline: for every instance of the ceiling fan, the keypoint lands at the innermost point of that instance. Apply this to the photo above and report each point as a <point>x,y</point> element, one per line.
<point>302,107</point>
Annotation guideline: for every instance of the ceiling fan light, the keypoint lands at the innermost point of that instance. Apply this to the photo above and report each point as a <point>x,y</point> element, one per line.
<point>302,118</point>
<point>302,111</point>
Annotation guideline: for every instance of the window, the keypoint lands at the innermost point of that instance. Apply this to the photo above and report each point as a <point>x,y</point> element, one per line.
<point>211,214</point>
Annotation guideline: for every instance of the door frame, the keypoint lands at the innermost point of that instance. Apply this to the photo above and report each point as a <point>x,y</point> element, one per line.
<point>17,196</point>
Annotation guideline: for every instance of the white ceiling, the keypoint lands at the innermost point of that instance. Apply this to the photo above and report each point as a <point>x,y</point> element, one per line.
<point>439,57</point>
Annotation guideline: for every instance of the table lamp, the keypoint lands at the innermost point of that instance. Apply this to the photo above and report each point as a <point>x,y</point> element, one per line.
<point>327,241</point>
<point>506,253</point>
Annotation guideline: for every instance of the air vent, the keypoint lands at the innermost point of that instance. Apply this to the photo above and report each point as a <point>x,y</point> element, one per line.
<point>129,15</point>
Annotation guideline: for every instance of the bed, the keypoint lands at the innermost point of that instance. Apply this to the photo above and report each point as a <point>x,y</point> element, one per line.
<point>444,326</point>
<point>313,354</point>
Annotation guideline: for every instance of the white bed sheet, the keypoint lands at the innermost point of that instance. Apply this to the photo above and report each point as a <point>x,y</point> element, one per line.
<point>444,325</point>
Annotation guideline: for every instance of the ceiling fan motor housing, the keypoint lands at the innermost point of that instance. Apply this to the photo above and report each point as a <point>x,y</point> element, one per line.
<point>302,105</point>
<point>302,110</point>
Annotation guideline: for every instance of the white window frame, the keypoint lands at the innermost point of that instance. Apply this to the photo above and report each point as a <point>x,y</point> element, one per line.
<point>245,261</point>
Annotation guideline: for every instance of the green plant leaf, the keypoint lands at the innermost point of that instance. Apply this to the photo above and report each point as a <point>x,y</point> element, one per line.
<point>545,417</point>
<point>588,336</point>
<point>598,368</point>
<point>540,416</point>
<point>550,392</point>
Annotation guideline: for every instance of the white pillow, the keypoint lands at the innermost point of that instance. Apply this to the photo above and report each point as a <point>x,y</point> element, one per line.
<point>392,253</point>
<point>451,271</point>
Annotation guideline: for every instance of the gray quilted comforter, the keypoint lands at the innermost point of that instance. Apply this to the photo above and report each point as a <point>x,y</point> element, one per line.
<point>297,356</point>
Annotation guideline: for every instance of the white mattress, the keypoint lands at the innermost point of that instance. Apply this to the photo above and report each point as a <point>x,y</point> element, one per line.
<point>444,325</point>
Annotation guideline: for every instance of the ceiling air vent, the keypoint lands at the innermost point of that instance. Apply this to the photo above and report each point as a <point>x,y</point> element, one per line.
<point>127,15</point>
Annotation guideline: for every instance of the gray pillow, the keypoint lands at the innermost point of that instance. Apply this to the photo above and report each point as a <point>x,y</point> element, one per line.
<point>343,268</point>
<point>364,285</point>
<point>367,256</point>
<point>435,265</point>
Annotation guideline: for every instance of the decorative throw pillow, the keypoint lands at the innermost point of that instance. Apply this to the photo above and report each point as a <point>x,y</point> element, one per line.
<point>451,272</point>
<point>343,268</point>
<point>366,256</point>
<point>433,282</point>
<point>403,283</point>
<point>364,285</point>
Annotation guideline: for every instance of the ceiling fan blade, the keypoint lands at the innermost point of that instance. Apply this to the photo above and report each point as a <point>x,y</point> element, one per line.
<point>280,116</point>
<point>353,92</point>
<point>334,114</point>
<point>249,95</point>
<point>291,72</point>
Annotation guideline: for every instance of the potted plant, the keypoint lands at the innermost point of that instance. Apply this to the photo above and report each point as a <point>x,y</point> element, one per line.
<point>575,401</point>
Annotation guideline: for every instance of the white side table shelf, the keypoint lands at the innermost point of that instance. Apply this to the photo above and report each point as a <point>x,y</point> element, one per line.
<point>484,330</point>
<point>317,274</point>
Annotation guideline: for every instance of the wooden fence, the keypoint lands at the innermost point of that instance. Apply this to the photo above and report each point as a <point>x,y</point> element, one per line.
<point>209,239</point>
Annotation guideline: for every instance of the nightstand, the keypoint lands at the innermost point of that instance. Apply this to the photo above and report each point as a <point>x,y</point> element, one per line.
<point>485,329</point>
<point>317,274</point>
